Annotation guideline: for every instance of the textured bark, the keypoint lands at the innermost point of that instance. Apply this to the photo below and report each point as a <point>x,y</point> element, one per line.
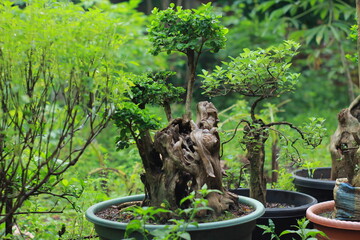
<point>189,154</point>
<point>255,146</point>
<point>344,145</point>
<point>190,83</point>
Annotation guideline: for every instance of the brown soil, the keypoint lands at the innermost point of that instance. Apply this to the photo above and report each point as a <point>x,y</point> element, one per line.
<point>118,213</point>
<point>279,205</point>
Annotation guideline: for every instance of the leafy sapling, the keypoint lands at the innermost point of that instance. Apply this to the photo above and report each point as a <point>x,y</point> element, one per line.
<point>302,231</point>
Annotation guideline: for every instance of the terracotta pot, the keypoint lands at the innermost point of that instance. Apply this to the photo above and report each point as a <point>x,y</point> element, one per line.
<point>334,229</point>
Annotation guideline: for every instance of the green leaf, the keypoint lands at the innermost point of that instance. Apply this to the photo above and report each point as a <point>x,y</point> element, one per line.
<point>320,35</point>
<point>335,32</point>
<point>133,226</point>
<point>65,182</point>
<point>324,13</point>
<point>185,235</point>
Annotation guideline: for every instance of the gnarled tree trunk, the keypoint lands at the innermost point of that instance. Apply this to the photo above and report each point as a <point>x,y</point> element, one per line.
<point>344,146</point>
<point>189,159</point>
<point>255,146</point>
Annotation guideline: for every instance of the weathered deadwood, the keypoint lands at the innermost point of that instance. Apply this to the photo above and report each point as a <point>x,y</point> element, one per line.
<point>190,159</point>
<point>344,145</point>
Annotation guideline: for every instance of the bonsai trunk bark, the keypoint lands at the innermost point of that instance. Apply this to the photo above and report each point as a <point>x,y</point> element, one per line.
<point>255,147</point>
<point>187,157</point>
<point>344,145</point>
<point>190,83</point>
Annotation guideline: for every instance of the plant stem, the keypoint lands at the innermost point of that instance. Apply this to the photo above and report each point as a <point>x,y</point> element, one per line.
<point>347,72</point>
<point>190,83</point>
<point>9,222</point>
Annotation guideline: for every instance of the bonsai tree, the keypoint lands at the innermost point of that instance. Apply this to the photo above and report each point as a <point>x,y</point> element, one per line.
<point>261,74</point>
<point>56,80</point>
<point>184,156</point>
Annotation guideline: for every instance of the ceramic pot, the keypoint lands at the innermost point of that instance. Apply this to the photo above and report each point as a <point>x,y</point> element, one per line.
<point>333,228</point>
<point>317,186</point>
<point>284,218</point>
<point>238,228</point>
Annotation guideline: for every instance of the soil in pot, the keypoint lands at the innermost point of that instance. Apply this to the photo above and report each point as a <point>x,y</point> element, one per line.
<point>287,207</point>
<point>317,185</point>
<point>119,213</point>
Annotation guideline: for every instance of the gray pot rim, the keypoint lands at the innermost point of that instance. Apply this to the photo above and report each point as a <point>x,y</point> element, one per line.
<point>91,217</point>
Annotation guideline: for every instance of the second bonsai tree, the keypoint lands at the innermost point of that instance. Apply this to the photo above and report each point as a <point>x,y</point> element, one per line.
<point>261,74</point>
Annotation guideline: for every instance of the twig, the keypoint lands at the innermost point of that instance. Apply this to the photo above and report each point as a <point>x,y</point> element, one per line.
<point>43,212</point>
<point>232,137</point>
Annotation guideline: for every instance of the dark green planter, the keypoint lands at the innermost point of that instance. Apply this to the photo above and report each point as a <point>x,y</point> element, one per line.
<point>239,228</point>
<point>283,218</point>
<point>317,185</point>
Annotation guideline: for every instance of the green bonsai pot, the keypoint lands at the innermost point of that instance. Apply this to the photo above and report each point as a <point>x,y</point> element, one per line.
<point>238,228</point>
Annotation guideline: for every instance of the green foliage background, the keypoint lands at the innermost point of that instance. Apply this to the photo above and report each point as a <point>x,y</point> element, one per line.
<point>323,88</point>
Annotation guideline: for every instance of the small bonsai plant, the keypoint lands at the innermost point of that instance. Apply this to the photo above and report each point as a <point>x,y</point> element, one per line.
<point>184,156</point>
<point>260,74</point>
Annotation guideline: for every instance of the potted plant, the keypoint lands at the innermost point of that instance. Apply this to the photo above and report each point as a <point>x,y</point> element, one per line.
<point>264,74</point>
<point>184,156</point>
<point>342,222</point>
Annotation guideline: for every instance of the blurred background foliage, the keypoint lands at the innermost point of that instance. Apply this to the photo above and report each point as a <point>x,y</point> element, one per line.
<point>328,83</point>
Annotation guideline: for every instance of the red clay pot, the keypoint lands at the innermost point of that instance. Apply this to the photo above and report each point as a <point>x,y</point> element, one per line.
<point>334,229</point>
